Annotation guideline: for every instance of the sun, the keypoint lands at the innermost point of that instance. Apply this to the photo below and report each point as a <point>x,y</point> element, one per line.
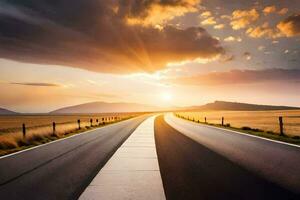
<point>166,97</point>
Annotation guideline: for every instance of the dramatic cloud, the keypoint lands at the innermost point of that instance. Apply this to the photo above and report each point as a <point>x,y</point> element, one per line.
<point>206,14</point>
<point>283,11</point>
<point>102,36</point>
<point>209,21</point>
<point>227,17</point>
<point>242,18</point>
<point>219,26</point>
<point>269,9</point>
<point>36,84</point>
<point>233,39</point>
<point>239,77</point>
<point>263,31</point>
<point>290,26</point>
<point>153,12</point>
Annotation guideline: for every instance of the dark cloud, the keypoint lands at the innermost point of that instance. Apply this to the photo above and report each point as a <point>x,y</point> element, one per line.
<point>95,35</point>
<point>230,5</point>
<point>290,26</point>
<point>36,84</point>
<point>240,77</point>
<point>143,9</point>
<point>247,55</point>
<point>227,58</point>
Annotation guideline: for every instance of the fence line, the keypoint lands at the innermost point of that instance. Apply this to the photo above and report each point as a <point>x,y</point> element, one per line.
<point>104,121</point>
<point>280,122</point>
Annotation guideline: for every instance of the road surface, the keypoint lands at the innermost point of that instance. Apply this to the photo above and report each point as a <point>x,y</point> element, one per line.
<point>195,162</point>
<point>200,162</point>
<point>62,169</point>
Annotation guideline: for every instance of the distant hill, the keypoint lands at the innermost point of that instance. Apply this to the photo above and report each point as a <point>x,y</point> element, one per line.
<point>103,107</point>
<point>6,112</point>
<point>224,105</point>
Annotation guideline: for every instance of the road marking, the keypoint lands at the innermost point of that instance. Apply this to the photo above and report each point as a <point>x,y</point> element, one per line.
<point>59,140</point>
<point>132,172</point>
<point>241,133</point>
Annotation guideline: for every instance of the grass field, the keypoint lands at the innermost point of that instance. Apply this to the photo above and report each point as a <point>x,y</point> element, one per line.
<point>266,121</point>
<point>39,128</point>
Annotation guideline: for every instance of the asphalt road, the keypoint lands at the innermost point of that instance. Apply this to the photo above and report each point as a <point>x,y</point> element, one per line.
<point>62,169</point>
<point>200,162</point>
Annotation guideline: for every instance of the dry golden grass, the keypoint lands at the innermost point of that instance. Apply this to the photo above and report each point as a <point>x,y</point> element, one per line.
<point>39,128</point>
<point>264,120</point>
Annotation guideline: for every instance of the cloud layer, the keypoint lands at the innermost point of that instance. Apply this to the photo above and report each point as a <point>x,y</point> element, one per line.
<point>98,35</point>
<point>36,84</point>
<point>155,12</point>
<point>242,18</point>
<point>290,26</point>
<point>239,77</point>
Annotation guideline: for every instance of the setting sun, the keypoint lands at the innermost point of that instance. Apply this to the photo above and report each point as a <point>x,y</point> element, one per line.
<point>166,96</point>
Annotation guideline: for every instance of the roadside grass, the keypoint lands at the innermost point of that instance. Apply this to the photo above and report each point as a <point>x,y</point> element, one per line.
<point>252,131</point>
<point>10,143</point>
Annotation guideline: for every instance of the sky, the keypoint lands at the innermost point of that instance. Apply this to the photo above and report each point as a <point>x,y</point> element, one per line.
<point>56,53</point>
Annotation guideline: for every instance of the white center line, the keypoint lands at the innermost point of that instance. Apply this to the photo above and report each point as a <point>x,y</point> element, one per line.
<point>132,172</point>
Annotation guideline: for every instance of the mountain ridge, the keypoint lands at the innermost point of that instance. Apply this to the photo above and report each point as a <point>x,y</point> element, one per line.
<point>4,111</point>
<point>121,107</point>
<point>237,106</point>
<point>104,107</point>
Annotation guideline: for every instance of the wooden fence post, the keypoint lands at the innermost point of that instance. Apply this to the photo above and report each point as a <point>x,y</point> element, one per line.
<point>281,126</point>
<point>78,121</point>
<point>54,128</point>
<point>91,120</point>
<point>205,119</point>
<point>222,121</point>
<point>24,130</point>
